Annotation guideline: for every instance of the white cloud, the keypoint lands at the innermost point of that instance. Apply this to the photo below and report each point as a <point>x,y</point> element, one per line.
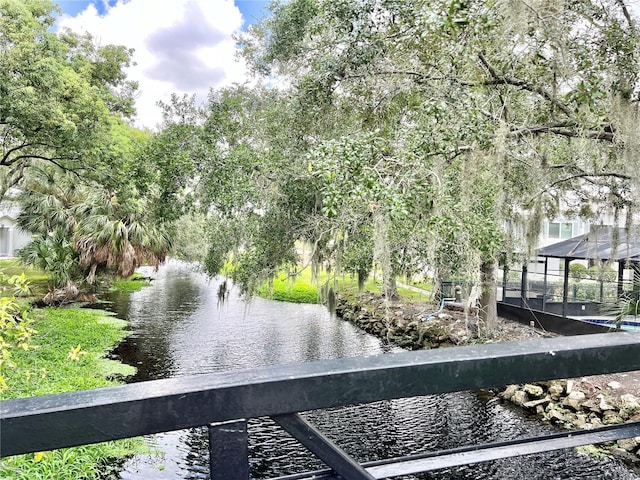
<point>181,46</point>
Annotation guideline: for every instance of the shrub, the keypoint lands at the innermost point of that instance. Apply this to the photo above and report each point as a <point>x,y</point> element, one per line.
<point>15,323</point>
<point>577,271</point>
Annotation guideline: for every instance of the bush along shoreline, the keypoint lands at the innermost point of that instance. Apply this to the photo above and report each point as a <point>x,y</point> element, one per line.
<point>67,354</point>
<point>576,404</point>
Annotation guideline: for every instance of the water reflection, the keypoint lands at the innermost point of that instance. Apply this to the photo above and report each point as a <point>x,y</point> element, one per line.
<point>180,327</point>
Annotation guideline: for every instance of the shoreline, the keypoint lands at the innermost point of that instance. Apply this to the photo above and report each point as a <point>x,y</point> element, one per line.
<point>69,353</point>
<point>571,404</point>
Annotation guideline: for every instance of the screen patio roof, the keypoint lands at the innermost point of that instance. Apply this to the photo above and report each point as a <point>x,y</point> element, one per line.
<point>598,244</point>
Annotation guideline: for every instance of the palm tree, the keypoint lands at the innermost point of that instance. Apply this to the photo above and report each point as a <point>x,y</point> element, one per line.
<point>627,306</point>
<point>79,232</point>
<point>46,203</point>
<point>119,243</point>
<point>53,253</point>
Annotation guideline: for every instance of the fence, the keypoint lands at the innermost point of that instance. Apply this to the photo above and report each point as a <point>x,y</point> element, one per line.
<point>224,402</point>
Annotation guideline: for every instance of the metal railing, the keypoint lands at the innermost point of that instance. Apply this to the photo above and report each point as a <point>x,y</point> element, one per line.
<point>224,401</point>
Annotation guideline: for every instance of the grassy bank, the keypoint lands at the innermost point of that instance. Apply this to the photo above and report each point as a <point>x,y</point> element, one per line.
<point>132,284</point>
<point>302,288</point>
<point>37,278</point>
<point>67,354</point>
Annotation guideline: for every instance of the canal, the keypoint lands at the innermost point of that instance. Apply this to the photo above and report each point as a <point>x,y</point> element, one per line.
<point>180,326</point>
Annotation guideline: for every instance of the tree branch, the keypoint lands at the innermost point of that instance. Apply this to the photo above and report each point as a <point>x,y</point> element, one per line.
<point>625,12</point>
<point>586,175</point>
<point>5,158</point>
<point>499,79</point>
<point>561,129</point>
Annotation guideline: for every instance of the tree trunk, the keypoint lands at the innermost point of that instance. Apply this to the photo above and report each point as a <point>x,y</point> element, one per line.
<point>390,287</point>
<point>488,295</point>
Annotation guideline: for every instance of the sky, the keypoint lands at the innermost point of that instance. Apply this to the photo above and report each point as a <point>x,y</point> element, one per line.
<point>181,46</point>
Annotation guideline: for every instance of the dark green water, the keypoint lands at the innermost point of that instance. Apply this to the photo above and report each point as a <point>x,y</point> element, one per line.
<point>180,328</point>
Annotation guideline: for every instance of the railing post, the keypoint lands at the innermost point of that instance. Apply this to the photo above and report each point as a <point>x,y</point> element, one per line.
<point>565,289</point>
<point>544,288</point>
<point>523,286</point>
<point>229,450</point>
<point>323,448</point>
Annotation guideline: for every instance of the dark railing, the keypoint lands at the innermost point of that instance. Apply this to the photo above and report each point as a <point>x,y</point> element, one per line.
<point>224,401</point>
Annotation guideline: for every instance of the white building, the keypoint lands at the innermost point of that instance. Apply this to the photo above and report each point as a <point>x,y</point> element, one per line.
<point>12,238</point>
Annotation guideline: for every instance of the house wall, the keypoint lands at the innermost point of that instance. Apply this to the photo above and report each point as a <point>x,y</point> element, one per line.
<point>12,238</point>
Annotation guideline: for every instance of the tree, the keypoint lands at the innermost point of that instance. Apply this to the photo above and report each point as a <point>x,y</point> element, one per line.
<point>58,94</point>
<point>511,106</point>
<point>238,161</point>
<point>80,232</point>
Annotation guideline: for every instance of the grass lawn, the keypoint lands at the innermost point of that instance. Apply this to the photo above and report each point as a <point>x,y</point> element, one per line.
<point>302,288</point>
<point>67,354</point>
<point>37,278</point>
<point>132,284</point>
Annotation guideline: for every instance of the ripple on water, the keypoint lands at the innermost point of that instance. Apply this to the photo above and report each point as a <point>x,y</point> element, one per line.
<point>179,328</point>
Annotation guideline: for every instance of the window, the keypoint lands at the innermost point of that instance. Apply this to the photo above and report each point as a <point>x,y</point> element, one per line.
<point>560,230</point>
<point>566,230</point>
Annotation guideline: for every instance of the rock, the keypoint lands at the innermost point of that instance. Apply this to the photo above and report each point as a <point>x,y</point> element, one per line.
<point>555,391</point>
<point>534,391</point>
<point>520,398</point>
<point>569,387</point>
<point>535,403</point>
<point>604,405</point>
<point>611,417</point>
<point>575,400</point>
<point>614,385</point>
<point>595,421</point>
<point>629,444</point>
<point>623,454</point>
<point>509,392</point>
<point>570,419</point>
<point>593,405</point>
<point>580,421</point>
<point>629,401</point>
<point>555,416</point>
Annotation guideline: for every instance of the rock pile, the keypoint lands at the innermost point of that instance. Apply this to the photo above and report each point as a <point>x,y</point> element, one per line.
<point>572,404</point>
<point>576,405</point>
<point>406,325</point>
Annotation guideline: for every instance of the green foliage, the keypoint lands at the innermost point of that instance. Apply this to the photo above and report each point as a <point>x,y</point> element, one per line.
<point>132,284</point>
<point>16,328</point>
<point>35,278</point>
<point>58,110</point>
<point>305,287</point>
<point>47,366</point>
<point>406,135</point>
<point>357,256</point>
<point>289,290</point>
<point>82,232</point>
<point>66,355</point>
<point>55,255</point>
<point>190,240</point>
<point>90,462</point>
<point>578,271</point>
<point>597,272</point>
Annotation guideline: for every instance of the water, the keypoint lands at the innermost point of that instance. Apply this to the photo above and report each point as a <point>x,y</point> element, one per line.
<point>179,328</point>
